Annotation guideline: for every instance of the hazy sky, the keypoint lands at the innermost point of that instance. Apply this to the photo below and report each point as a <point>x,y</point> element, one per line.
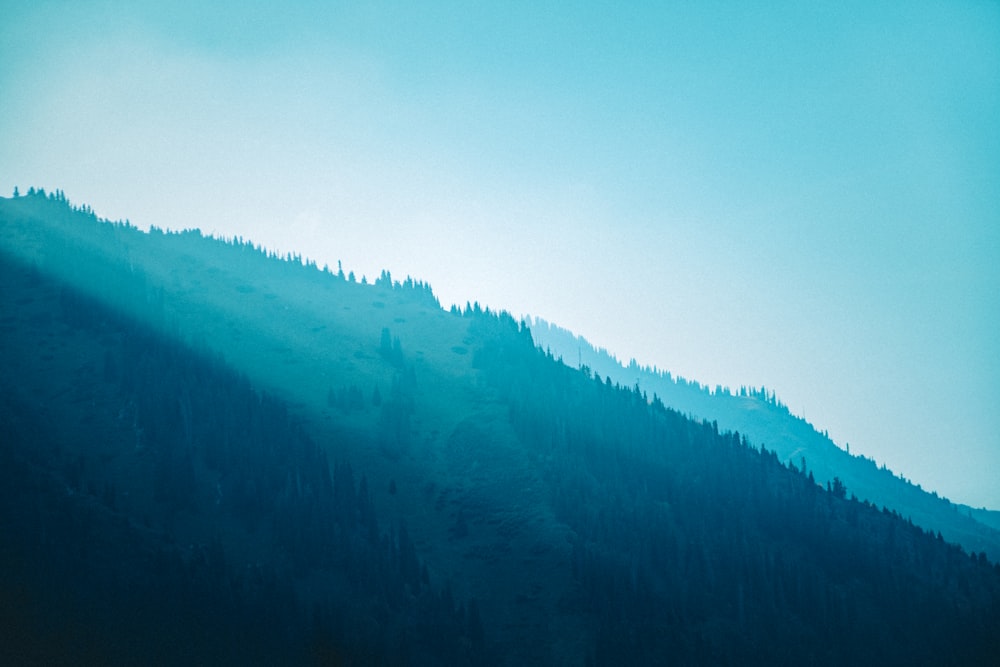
<point>741,193</point>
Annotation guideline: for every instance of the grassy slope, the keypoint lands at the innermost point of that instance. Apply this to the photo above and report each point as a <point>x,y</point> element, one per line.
<point>297,332</point>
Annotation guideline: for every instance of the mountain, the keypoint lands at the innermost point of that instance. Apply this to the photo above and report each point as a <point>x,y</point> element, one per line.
<point>758,414</point>
<point>213,454</point>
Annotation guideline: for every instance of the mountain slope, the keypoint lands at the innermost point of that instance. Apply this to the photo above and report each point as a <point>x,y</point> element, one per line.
<point>156,509</point>
<point>765,421</point>
<point>303,335</point>
<point>400,484</point>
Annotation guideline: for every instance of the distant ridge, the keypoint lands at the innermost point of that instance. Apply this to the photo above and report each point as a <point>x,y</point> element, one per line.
<point>766,421</point>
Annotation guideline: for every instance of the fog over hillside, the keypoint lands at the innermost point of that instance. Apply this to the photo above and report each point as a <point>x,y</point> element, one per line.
<point>796,196</point>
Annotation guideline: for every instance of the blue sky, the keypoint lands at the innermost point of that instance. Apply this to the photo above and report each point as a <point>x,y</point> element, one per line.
<point>741,193</point>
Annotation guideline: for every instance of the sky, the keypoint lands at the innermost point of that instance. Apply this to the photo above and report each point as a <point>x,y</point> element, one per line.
<point>799,195</point>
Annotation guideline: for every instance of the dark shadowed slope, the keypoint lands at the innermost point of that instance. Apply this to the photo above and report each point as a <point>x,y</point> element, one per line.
<point>214,455</point>
<point>156,509</point>
<point>765,421</point>
<point>319,342</point>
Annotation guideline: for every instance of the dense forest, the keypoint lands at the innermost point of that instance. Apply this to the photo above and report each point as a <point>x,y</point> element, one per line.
<point>360,477</point>
<point>695,545</point>
<point>298,566</point>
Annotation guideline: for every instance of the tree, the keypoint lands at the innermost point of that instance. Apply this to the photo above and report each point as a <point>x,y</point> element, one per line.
<point>17,193</point>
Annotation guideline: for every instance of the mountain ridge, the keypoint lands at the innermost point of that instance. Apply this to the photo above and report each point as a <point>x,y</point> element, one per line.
<point>539,514</point>
<point>758,414</point>
<point>754,412</point>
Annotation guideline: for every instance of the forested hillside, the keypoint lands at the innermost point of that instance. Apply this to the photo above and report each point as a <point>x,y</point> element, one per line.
<point>213,454</point>
<point>758,414</point>
<point>156,508</point>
